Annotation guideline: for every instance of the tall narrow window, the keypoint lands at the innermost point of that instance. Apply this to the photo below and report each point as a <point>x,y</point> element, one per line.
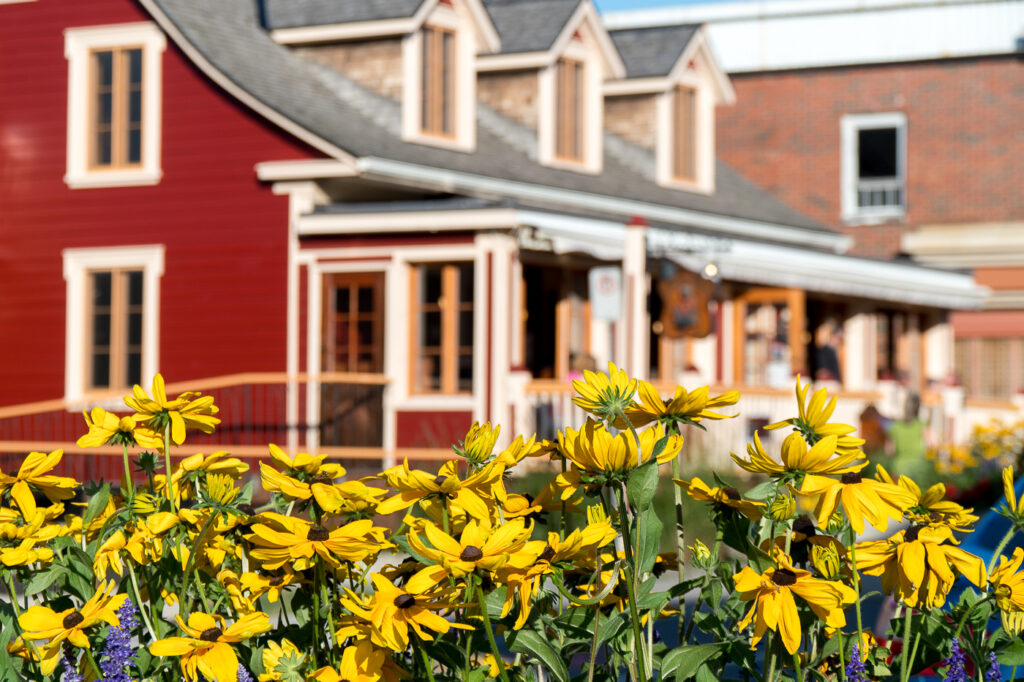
<point>569,110</point>
<point>684,148</point>
<point>114,337</point>
<point>442,328</point>
<point>437,106</point>
<point>116,115</point>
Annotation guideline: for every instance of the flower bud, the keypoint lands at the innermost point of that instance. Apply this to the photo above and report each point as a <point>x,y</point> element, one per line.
<point>783,508</point>
<point>1013,622</point>
<point>827,561</point>
<point>836,522</point>
<point>701,555</point>
<point>144,503</point>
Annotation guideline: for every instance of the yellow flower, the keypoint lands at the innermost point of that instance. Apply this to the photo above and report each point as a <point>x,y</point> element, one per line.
<point>287,540</point>
<point>1015,508</point>
<point>394,610</point>
<point>108,555</point>
<point>106,427</point>
<point>931,507</point>
<point>361,663</point>
<point>479,444</point>
<point>721,497</point>
<point>774,607</point>
<point>43,623</point>
<point>813,422</point>
<point>596,452</point>
<point>33,476</point>
<point>259,584</point>
<point>309,477</point>
<point>860,497</point>
<point>207,650</point>
<point>798,459</point>
<point>188,410</point>
<point>605,395</point>
<point>279,659</point>
<point>1007,582</point>
<point>220,488</point>
<point>684,407</point>
<point>479,546</point>
<point>917,565</point>
<point>473,494</point>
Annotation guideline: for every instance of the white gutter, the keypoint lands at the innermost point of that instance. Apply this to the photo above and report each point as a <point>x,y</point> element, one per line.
<point>745,261</point>
<point>375,222</point>
<point>469,183</point>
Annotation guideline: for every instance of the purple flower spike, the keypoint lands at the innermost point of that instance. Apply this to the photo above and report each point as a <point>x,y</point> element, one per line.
<point>994,672</point>
<point>855,670</point>
<point>957,663</point>
<point>118,652</point>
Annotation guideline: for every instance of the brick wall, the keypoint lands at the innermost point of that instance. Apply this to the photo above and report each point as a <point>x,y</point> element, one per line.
<point>513,93</point>
<point>632,117</point>
<point>965,140</point>
<point>376,64</point>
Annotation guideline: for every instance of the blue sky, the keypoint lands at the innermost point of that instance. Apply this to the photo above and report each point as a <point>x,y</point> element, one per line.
<point>611,5</point>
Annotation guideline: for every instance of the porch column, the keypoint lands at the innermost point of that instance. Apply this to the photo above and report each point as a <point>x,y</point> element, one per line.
<point>634,284</point>
<point>501,322</point>
<point>938,350</point>
<point>859,350</point>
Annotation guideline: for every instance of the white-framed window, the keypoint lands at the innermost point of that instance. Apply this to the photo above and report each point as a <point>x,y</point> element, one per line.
<point>439,80</point>
<point>112,319</point>
<point>114,102</point>
<point>873,171</point>
<point>571,110</point>
<point>685,146</point>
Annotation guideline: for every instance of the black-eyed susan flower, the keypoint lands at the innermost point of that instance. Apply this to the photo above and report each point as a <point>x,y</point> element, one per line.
<point>774,607</point>
<point>1014,509</point>
<point>39,623</point>
<point>361,662</point>
<point>797,458</point>
<point>207,649</point>
<point>281,540</point>
<point>259,584</point>
<point>685,407</point>
<point>725,496</point>
<point>478,447</point>
<point>393,610</point>
<point>919,564</point>
<point>596,454</point>
<point>812,422</point>
<point>931,506</point>
<point>33,475</point>
<point>188,410</point>
<point>606,396</point>
<point>106,427</point>
<point>1007,584</point>
<point>472,494</point>
<point>862,498</point>
<point>304,477</point>
<point>282,661</point>
<point>480,546</point>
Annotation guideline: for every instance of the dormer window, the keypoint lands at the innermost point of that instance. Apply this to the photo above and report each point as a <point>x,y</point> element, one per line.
<point>569,110</point>
<point>684,134</point>
<point>437,115</point>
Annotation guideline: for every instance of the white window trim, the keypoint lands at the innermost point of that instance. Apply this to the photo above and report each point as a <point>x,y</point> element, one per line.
<point>77,264</point>
<point>78,42</point>
<point>703,135</point>
<point>464,116</point>
<point>593,110</point>
<point>849,126</point>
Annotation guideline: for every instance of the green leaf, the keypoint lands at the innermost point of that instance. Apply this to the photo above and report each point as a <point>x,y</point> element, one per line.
<point>40,581</point>
<point>685,660</point>
<point>612,627</point>
<point>1013,654</point>
<point>531,643</point>
<point>830,649</point>
<point>642,484</point>
<point>650,540</point>
<point>762,491</point>
<point>704,674</point>
<point>96,504</point>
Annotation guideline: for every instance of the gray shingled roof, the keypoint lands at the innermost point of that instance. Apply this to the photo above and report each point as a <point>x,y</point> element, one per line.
<point>529,25</point>
<point>652,51</point>
<point>292,13</point>
<point>365,124</point>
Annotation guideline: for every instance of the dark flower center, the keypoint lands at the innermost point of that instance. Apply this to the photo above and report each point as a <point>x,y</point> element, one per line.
<point>911,534</point>
<point>547,555</point>
<point>322,477</point>
<point>471,553</point>
<point>439,481</point>
<point>277,581</point>
<point>211,635</point>
<point>784,577</point>
<point>851,477</point>
<point>405,601</point>
<point>318,534</point>
<point>805,526</point>
<point>247,509</point>
<point>731,492</point>
<point>72,619</point>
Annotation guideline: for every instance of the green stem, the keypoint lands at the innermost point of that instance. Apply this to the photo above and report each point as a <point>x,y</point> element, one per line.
<point>127,474</point>
<point>634,616</point>
<point>92,662</point>
<point>192,562</point>
<point>490,630</point>
<point>771,657</point>
<point>167,467</point>
<point>426,662</point>
<point>796,668</point>
<point>968,612</point>
<point>913,654</point>
<point>593,645</point>
<point>677,497</point>
<point>468,634</point>
<point>17,621</point>
<point>842,656</point>
<point>1013,674</point>
<point>322,577</point>
<point>856,582</point>
<point>138,599</point>
<point>904,668</point>
<point>1000,547</point>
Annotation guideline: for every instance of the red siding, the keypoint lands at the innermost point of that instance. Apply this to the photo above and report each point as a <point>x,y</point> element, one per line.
<point>223,301</point>
<point>432,429</point>
<point>965,151</point>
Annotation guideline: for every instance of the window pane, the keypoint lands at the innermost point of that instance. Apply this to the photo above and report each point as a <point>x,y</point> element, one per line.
<point>135,288</point>
<point>103,149</point>
<point>104,102</point>
<point>447,90</point>
<point>431,333</point>
<point>101,288</point>
<point>365,331</point>
<point>100,370</point>
<point>134,67</point>
<point>133,369</point>
<point>101,329</point>
<point>104,62</point>
<point>466,329</point>
<point>134,146</point>
<point>577,111</point>
<point>430,377</point>
<point>341,299</point>
<point>466,284</point>
<point>877,153</point>
<point>135,107</point>
<point>425,85</point>
<point>366,299</point>
<point>134,329</point>
<point>431,284</point>
<point>465,373</point>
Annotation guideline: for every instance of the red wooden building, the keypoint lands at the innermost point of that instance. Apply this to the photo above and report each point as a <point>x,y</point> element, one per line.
<point>362,227</point>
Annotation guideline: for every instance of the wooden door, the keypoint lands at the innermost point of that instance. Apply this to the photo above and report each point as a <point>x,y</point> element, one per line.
<point>353,342</point>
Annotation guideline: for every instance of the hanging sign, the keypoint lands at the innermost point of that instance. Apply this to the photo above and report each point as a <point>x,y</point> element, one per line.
<point>606,293</point>
<point>684,304</point>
